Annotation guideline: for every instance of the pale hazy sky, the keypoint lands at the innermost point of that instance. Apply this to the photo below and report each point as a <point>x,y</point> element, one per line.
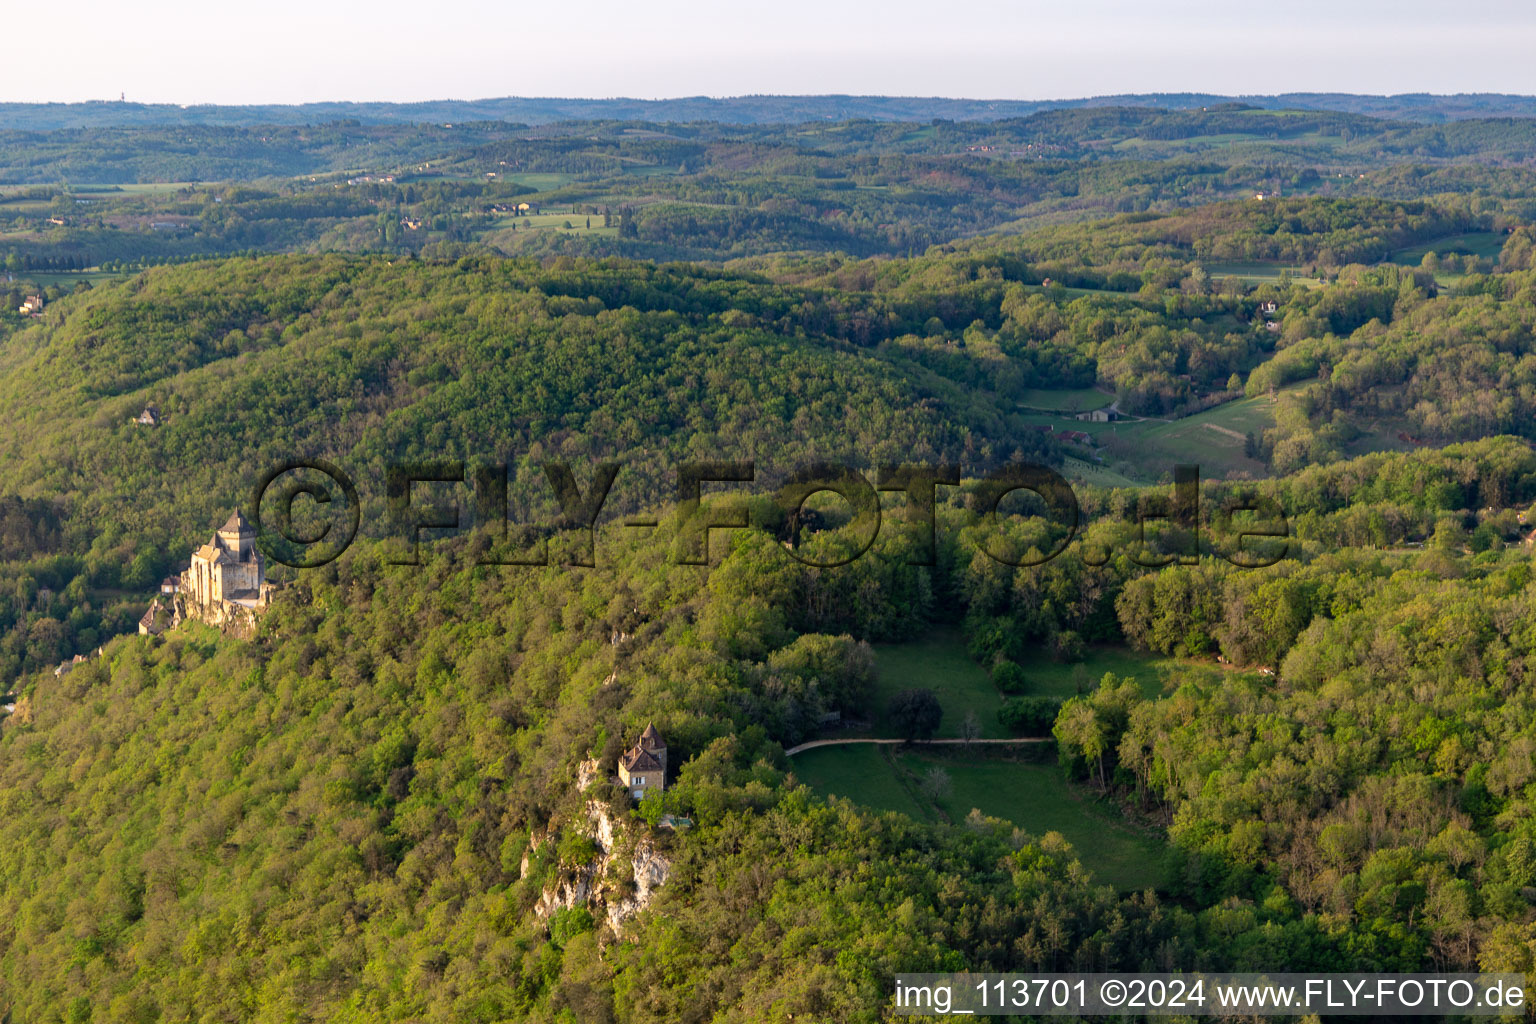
<point>292,51</point>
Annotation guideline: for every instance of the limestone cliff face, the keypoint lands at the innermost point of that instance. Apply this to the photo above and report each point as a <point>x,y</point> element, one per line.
<point>226,616</point>
<point>649,870</point>
<point>621,881</point>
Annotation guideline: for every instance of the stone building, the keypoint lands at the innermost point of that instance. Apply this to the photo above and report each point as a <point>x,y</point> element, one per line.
<point>643,767</point>
<point>155,621</point>
<point>228,569</point>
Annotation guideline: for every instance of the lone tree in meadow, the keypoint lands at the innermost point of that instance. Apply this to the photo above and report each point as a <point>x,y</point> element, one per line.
<point>916,714</point>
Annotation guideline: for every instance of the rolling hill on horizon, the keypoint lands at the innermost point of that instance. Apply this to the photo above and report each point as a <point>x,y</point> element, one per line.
<point>754,109</point>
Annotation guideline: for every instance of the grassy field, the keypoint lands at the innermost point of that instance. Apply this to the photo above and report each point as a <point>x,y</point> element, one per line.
<point>1024,787</point>
<point>1212,440</point>
<point>542,182</point>
<point>1034,795</point>
<point>1155,673</point>
<point>1259,272</point>
<point>557,220</point>
<point>1068,400</point>
<point>863,773</point>
<point>502,234</point>
<point>941,663</point>
<point>1139,452</point>
<point>1093,474</point>
<point>1146,451</point>
<point>1487,244</point>
<point>70,278</point>
<point>1037,798</point>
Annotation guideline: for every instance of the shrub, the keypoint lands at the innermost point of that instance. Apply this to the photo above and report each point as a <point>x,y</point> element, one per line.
<point>916,713</point>
<point>1008,677</point>
<point>1029,716</point>
<point>567,923</point>
<point>1068,646</point>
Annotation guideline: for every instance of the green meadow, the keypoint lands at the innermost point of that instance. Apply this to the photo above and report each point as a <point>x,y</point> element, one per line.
<point>1487,244</point>
<point>1156,674</point>
<point>941,663</point>
<point>1213,439</point>
<point>1094,475</point>
<point>1147,450</point>
<point>1260,272</point>
<point>865,774</point>
<point>1034,795</point>
<point>1038,799</point>
<point>1064,400</point>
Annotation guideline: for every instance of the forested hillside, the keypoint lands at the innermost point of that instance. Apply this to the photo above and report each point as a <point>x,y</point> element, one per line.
<point>369,363</point>
<point>785,360</point>
<point>1300,696</point>
<point>332,819</point>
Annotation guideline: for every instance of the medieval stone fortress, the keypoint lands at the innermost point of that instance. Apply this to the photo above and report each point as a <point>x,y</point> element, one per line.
<point>225,585</point>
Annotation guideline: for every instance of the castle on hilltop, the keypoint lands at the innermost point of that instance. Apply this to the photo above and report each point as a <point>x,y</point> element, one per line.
<point>225,586</point>
<point>643,767</point>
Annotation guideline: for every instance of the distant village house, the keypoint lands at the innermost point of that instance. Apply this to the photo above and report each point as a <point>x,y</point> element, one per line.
<point>65,667</point>
<point>156,620</point>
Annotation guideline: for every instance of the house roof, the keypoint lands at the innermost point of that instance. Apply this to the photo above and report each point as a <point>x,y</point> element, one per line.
<point>638,759</point>
<point>651,738</point>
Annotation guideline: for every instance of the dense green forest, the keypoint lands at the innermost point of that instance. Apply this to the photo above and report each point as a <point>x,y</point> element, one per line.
<point>392,798</point>
<point>332,818</point>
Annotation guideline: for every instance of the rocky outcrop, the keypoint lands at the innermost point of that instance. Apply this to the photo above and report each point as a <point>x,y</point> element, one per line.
<point>649,871</point>
<point>227,617</point>
<point>621,881</point>
<point>574,891</point>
